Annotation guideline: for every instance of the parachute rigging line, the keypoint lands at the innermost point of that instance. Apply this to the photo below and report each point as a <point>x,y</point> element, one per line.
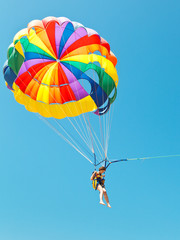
<point>134,159</point>
<point>70,143</point>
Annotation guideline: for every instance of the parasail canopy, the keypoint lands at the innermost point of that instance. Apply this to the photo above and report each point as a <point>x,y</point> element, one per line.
<point>46,61</point>
<point>60,69</point>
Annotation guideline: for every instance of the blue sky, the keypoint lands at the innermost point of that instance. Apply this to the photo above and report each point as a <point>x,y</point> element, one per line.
<point>45,191</point>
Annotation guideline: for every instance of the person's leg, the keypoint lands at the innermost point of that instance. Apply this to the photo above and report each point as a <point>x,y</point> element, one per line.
<point>106,197</point>
<point>100,189</point>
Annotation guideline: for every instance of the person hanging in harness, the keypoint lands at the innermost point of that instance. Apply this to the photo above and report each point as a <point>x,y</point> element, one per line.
<point>98,180</point>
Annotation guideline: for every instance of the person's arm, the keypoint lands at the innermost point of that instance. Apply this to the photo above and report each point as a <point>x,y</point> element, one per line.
<point>93,175</point>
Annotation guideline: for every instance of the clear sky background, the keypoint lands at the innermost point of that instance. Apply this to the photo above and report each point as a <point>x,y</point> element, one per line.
<point>45,191</point>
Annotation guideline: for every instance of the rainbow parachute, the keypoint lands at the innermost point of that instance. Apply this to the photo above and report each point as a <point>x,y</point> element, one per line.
<point>46,62</point>
<point>60,69</point>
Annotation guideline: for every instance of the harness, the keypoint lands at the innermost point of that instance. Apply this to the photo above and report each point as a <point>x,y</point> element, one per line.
<point>99,179</point>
